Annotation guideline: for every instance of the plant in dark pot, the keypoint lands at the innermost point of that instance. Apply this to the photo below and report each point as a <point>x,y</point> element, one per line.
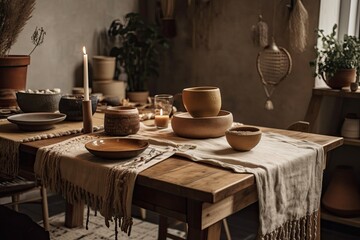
<point>139,53</point>
<point>337,61</point>
<point>14,14</point>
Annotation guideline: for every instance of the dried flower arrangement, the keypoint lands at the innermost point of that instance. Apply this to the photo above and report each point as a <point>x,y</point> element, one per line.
<point>14,14</point>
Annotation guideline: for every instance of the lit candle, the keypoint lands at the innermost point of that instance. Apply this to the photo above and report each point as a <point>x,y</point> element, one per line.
<point>86,76</point>
<point>161,121</point>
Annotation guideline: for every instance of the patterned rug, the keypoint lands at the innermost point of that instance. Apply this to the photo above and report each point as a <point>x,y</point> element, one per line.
<point>141,230</point>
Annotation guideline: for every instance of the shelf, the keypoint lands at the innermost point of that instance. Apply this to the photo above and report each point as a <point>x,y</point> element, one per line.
<point>352,142</point>
<point>345,93</point>
<point>354,222</point>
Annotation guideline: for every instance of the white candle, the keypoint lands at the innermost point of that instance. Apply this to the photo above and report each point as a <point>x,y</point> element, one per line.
<point>86,76</point>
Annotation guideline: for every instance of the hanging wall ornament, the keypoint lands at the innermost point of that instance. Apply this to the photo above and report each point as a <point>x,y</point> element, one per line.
<point>273,65</point>
<point>260,33</point>
<point>298,26</point>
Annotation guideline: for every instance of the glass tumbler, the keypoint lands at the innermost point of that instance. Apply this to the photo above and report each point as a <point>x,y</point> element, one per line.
<point>163,106</point>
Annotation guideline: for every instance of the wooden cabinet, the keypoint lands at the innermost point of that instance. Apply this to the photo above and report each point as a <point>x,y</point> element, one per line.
<point>317,103</point>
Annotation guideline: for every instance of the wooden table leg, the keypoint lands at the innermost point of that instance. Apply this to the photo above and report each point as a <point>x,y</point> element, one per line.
<point>74,215</point>
<point>163,226</point>
<point>211,233</point>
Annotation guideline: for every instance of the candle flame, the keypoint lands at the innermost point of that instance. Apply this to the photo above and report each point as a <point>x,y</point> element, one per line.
<point>84,50</point>
<point>161,112</point>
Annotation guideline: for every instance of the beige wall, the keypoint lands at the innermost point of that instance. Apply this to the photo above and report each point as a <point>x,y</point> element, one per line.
<point>230,63</point>
<point>69,25</point>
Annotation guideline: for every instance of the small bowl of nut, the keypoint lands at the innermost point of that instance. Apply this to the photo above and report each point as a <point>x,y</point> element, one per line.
<point>46,100</point>
<point>243,138</point>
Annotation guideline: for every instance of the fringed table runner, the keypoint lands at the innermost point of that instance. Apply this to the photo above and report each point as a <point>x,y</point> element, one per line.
<point>288,175</point>
<point>105,185</point>
<point>11,137</point>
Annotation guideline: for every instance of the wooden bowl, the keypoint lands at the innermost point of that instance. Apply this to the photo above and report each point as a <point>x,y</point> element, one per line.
<point>184,125</point>
<point>243,138</point>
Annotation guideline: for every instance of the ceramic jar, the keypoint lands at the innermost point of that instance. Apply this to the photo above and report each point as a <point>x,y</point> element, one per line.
<point>351,127</point>
<point>121,121</point>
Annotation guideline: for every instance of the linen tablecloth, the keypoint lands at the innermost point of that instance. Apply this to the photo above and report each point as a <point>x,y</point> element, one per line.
<point>288,175</point>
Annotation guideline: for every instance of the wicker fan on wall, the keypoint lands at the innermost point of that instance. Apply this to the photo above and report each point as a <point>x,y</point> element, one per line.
<point>273,65</point>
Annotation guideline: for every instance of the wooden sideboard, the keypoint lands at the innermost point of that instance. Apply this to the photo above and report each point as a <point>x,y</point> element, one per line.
<point>316,104</point>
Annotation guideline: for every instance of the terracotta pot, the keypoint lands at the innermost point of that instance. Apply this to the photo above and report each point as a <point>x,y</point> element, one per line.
<point>342,78</point>
<point>110,88</point>
<point>13,72</point>
<point>138,97</point>
<point>342,197</point>
<point>103,68</point>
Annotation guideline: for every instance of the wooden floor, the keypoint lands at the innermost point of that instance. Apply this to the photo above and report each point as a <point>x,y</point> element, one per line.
<point>243,225</point>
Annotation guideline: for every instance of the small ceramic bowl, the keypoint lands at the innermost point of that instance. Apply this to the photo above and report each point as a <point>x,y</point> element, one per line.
<point>71,105</point>
<point>243,138</point>
<point>38,102</point>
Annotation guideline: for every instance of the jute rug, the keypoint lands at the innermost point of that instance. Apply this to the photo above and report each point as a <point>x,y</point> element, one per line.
<point>97,230</point>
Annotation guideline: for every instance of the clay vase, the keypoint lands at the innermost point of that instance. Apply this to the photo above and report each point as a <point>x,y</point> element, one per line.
<point>342,197</point>
<point>121,121</point>
<point>342,78</point>
<point>13,72</point>
<point>202,101</point>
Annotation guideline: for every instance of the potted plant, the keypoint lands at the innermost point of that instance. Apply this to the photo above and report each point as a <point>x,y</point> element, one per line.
<point>139,52</point>
<point>337,61</point>
<point>14,14</point>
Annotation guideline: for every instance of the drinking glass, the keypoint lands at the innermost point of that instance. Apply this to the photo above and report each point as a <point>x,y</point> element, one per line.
<point>163,106</point>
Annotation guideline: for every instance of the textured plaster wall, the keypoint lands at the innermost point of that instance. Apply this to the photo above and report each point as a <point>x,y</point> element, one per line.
<point>230,62</point>
<point>69,26</point>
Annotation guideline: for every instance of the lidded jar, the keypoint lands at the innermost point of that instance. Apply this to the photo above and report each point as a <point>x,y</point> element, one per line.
<point>121,121</point>
<point>351,126</point>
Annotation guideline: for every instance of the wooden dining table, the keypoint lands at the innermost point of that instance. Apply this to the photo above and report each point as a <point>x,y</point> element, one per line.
<point>199,194</point>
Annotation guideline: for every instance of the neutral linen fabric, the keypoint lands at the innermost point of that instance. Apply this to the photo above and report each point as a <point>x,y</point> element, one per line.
<point>288,175</point>
<point>11,137</point>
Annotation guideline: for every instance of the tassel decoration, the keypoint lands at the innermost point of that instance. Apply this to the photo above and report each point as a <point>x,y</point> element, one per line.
<point>260,33</point>
<point>298,26</point>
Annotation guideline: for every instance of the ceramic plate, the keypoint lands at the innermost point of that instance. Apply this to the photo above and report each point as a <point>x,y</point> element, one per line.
<point>36,121</point>
<point>116,148</point>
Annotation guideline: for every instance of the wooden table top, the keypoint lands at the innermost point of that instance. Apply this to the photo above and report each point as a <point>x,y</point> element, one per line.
<point>189,179</point>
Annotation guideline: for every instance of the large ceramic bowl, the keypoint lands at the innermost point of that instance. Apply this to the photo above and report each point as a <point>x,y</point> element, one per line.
<point>71,105</point>
<point>184,125</point>
<point>243,138</point>
<point>38,102</point>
